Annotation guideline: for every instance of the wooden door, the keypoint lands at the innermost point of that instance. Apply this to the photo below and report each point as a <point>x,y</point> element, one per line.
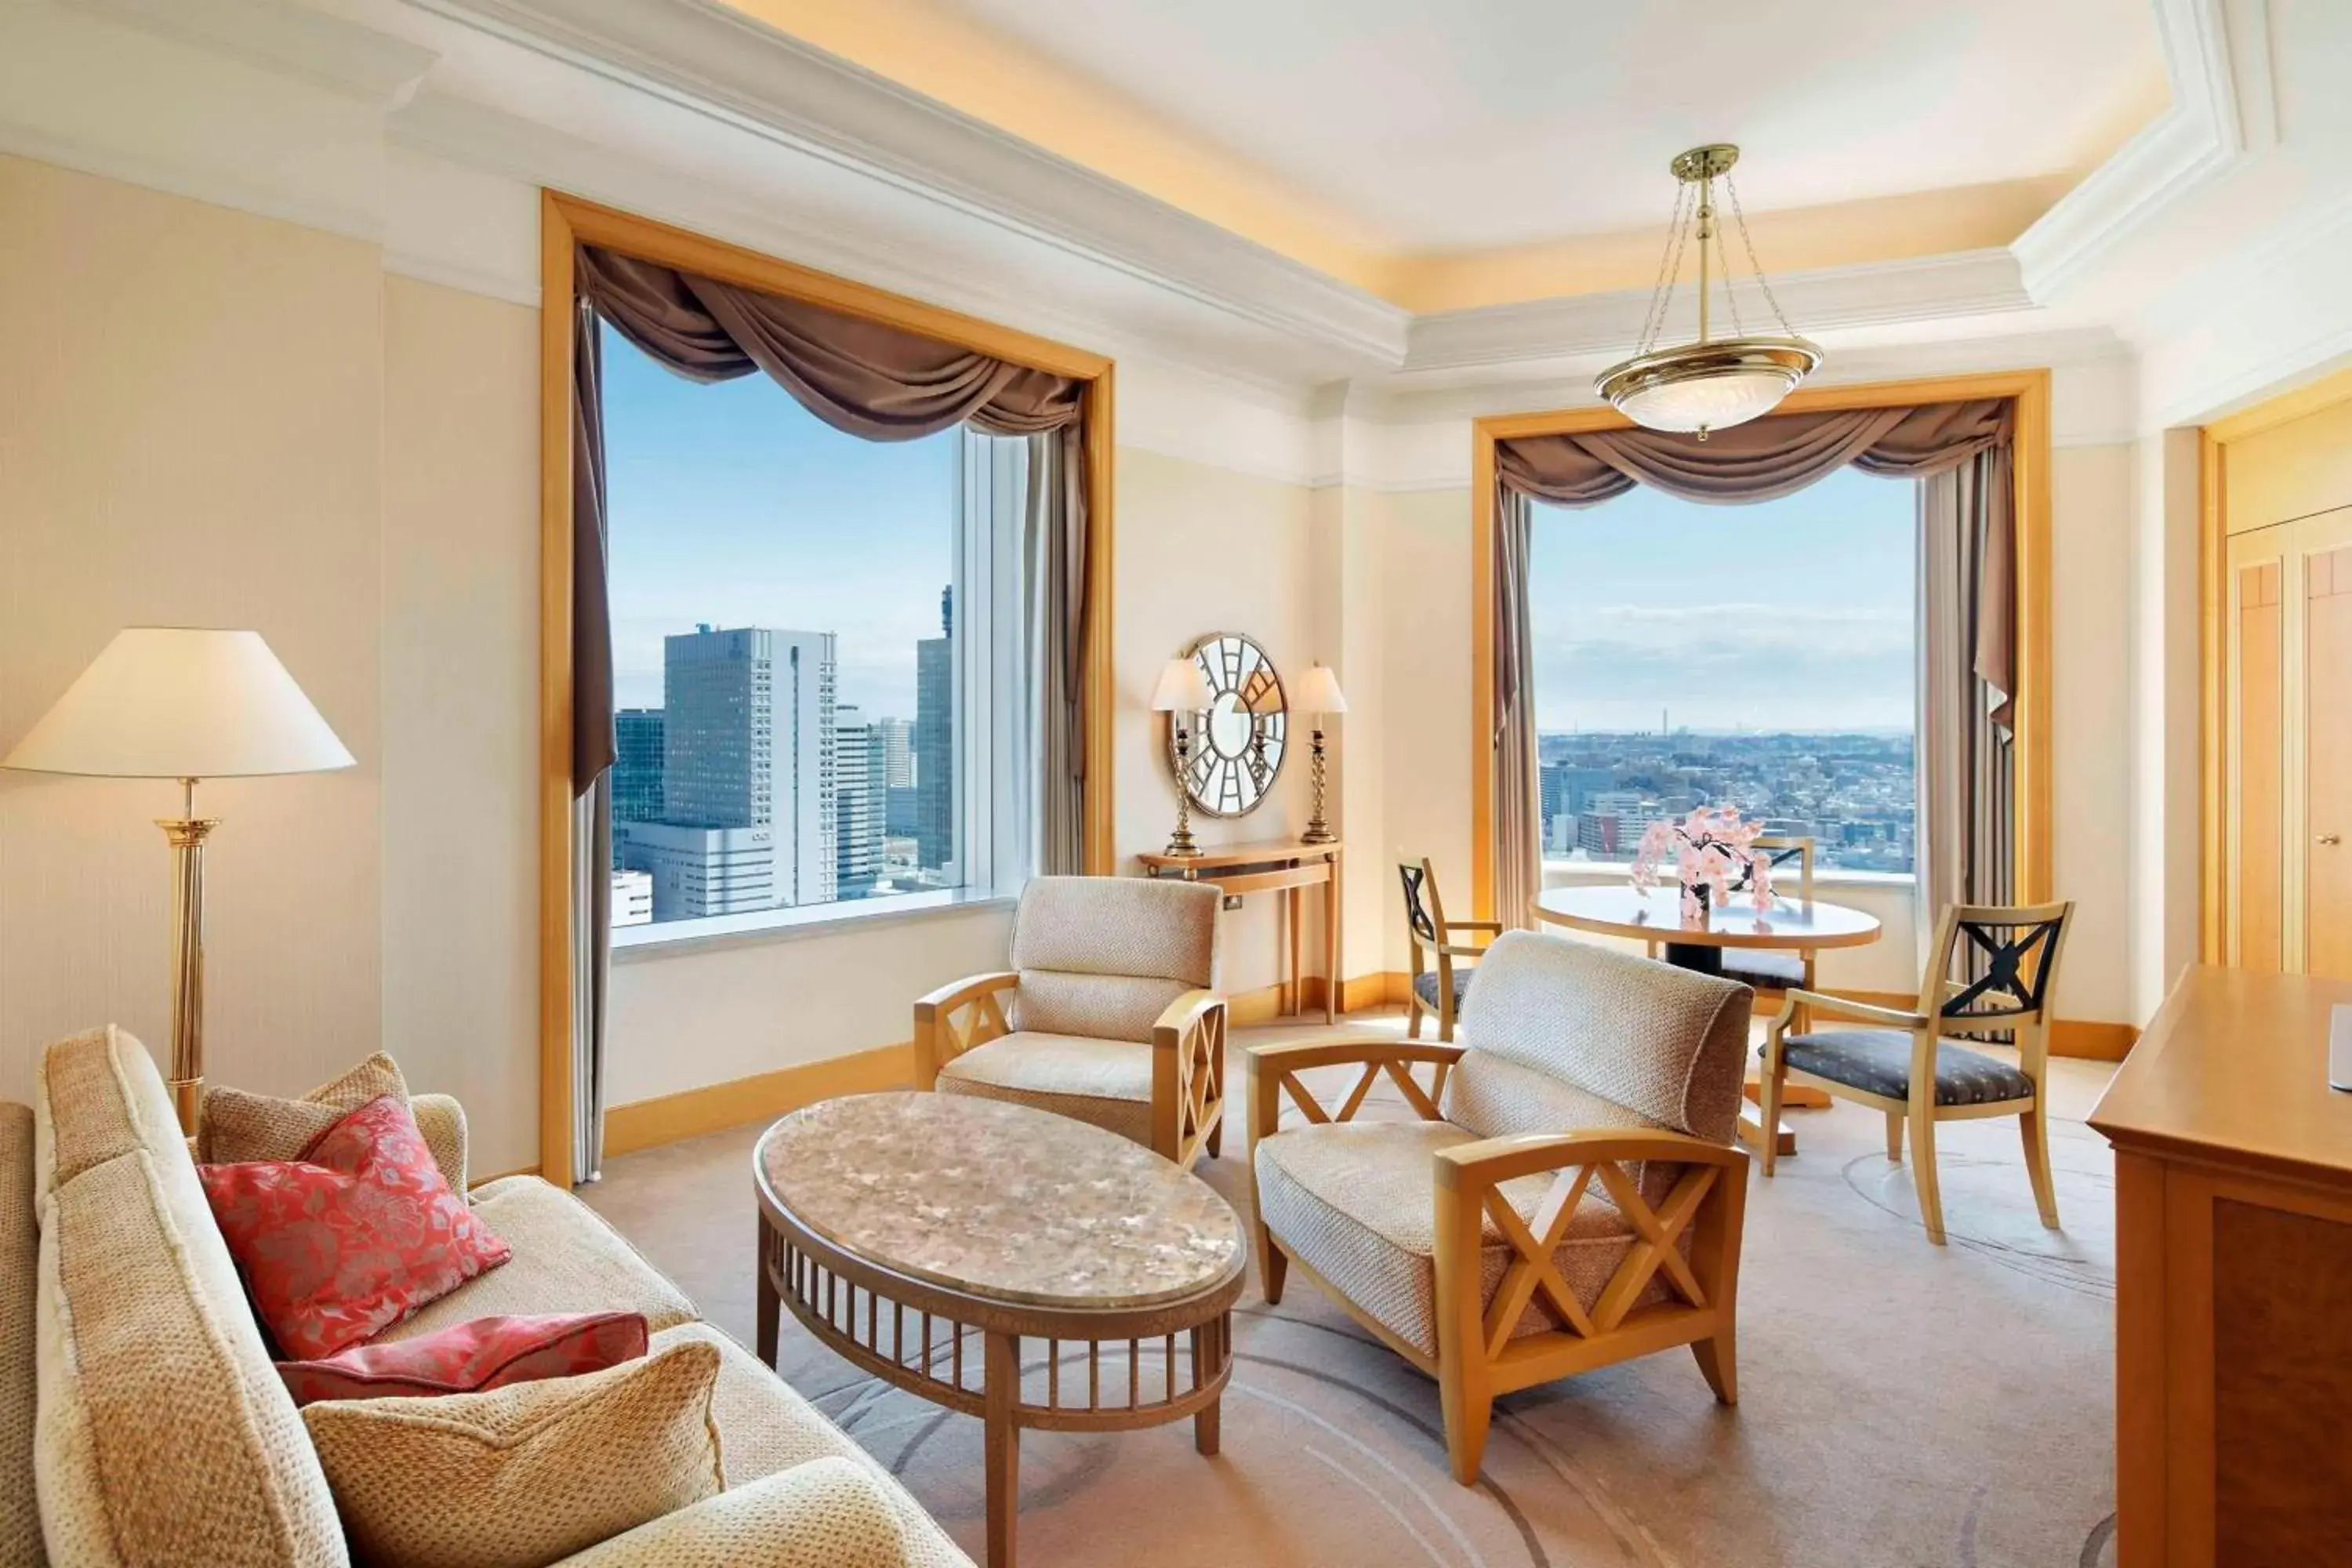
<point>2327,745</point>
<point>2257,749</point>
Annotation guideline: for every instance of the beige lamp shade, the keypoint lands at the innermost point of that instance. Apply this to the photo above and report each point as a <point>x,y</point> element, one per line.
<point>1318,691</point>
<point>1182,689</point>
<point>181,702</point>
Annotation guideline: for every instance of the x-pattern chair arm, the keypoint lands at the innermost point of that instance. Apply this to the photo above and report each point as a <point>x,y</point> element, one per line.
<point>956,1017</point>
<point>1274,1072</point>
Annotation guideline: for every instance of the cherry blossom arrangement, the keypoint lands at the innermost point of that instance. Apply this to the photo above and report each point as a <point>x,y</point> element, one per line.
<point>1711,849</point>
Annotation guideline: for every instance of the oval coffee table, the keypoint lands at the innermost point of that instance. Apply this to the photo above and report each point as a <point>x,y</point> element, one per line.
<point>924,1237</point>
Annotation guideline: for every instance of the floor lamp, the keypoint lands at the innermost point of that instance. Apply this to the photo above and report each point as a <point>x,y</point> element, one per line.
<point>171,702</point>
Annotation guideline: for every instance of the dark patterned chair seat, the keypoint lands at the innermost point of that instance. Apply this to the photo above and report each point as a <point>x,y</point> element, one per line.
<point>1425,985</point>
<point>1878,1061</point>
<point>1763,968</point>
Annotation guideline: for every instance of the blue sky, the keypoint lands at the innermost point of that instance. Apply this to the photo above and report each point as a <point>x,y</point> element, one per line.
<point>732,504</point>
<point>1791,615</point>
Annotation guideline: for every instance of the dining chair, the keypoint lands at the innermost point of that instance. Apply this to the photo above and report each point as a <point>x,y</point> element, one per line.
<point>1439,989</point>
<point>1905,1064</point>
<point>1772,972</point>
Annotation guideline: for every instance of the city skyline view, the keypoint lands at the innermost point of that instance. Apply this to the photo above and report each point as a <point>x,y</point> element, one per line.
<point>732,505</point>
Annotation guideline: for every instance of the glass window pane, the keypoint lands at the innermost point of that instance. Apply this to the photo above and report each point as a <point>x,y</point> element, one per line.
<point>1758,655</point>
<point>784,661</point>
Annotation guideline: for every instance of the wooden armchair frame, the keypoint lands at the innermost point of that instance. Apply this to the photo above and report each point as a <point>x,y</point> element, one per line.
<point>1478,1356</point>
<point>1927,1023</point>
<point>1188,1057</point>
<point>1426,929</point>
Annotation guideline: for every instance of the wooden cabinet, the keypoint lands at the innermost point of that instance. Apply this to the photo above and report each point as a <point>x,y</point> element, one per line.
<point>2288,841</point>
<point>2234,1287</point>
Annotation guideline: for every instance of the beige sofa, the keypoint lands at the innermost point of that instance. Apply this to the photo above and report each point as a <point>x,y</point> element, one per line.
<point>141,1421</point>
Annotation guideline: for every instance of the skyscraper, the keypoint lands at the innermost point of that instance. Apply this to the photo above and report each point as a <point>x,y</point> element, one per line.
<point>858,805</point>
<point>894,774</point>
<point>935,741</point>
<point>748,743</point>
<point>638,765</point>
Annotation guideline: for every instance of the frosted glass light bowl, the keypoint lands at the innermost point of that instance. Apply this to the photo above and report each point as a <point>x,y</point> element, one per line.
<point>1708,386</point>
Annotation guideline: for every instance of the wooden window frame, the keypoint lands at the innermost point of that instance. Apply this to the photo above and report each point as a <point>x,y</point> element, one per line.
<point>2029,475</point>
<point>566,222</point>
<point>2213,443</point>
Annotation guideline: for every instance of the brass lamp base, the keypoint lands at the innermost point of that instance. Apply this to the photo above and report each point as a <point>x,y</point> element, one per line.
<point>1317,830</point>
<point>1180,843</point>
<point>186,834</point>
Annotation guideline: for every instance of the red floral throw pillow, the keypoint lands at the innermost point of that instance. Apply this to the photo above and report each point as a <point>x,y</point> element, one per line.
<point>471,1358</point>
<point>351,1238</point>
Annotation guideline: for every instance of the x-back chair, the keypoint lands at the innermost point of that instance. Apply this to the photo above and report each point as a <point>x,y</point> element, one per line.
<point>1569,1196</point>
<point>1905,1064</point>
<point>1439,986</point>
<point>1107,1015</point>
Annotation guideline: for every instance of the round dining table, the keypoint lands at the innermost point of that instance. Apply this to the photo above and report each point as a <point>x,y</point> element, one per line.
<point>1696,942</point>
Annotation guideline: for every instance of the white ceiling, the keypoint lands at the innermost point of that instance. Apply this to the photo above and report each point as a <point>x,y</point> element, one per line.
<point>1451,124</point>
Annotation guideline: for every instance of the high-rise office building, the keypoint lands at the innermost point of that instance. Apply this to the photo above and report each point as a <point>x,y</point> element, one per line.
<point>857,804</point>
<point>747,743</point>
<point>934,741</point>
<point>701,871</point>
<point>638,765</point>
<point>898,740</point>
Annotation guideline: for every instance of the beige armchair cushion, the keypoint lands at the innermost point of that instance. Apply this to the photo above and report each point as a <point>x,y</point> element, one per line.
<point>1662,1043</point>
<point>1104,956</point>
<point>154,1387</point>
<point>525,1475</point>
<point>827,1514</point>
<point>20,1245</point>
<point>765,1427</point>
<point>1355,1202</point>
<point>566,1259</point>
<point>1106,1083</point>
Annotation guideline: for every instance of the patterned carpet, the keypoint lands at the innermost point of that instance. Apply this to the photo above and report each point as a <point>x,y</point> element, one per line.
<point>1900,1405</point>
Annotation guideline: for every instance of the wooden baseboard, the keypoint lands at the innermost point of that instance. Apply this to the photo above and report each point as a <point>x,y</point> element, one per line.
<point>647,1123</point>
<point>1357,994</point>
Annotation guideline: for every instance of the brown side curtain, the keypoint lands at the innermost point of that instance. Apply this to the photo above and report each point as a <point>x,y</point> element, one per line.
<point>591,751</point>
<point>1059,615</point>
<point>1761,460</point>
<point>1965,779</point>
<point>1518,825</point>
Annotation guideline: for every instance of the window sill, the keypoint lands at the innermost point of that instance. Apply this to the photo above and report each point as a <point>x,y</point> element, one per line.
<point>1557,872</point>
<point>677,939</point>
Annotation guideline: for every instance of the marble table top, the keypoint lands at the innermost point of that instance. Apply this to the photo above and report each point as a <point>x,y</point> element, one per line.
<point>999,1201</point>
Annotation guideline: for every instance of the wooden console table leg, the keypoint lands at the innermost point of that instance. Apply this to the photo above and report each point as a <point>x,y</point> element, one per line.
<point>1003,1368</point>
<point>1294,988</point>
<point>771,1304</point>
<point>1331,982</point>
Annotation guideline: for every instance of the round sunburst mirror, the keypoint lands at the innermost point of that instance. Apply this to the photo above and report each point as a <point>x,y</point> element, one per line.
<point>1239,740</point>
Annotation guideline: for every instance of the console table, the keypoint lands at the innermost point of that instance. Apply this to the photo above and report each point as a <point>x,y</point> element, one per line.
<point>1275,865</point>
<point>2234,1278</point>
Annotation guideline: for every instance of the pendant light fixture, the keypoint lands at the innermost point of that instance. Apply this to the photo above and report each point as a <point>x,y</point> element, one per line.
<point>1712,383</point>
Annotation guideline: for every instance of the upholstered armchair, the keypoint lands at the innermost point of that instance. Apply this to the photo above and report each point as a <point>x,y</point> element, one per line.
<point>1905,1064</point>
<point>1105,1013</point>
<point>1569,1193</point>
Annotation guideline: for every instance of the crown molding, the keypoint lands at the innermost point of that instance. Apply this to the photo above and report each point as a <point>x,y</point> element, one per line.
<point>717,62</point>
<point>342,56</point>
<point>1875,294</point>
<point>2217,61</point>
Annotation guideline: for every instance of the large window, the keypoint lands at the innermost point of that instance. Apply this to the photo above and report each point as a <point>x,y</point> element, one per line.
<point>810,717</point>
<point>1759,656</point>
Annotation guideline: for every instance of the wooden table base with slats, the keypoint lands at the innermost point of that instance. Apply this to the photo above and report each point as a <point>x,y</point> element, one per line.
<point>968,1353</point>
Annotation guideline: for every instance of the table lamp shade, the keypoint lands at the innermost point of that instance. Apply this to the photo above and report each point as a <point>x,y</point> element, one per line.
<point>1182,689</point>
<point>181,702</point>
<point>1318,691</point>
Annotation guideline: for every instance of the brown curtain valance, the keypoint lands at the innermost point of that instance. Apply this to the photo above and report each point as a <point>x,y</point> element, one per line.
<point>1780,454</point>
<point>861,377</point>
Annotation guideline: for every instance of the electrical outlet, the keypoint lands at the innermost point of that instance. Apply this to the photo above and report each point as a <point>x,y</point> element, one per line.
<point>1233,901</point>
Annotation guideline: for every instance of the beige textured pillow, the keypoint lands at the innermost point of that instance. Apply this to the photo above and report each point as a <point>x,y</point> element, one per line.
<point>524,1475</point>
<point>232,1126</point>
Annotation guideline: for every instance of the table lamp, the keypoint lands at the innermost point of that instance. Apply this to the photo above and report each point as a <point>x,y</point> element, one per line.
<point>174,703</point>
<point>1318,694</point>
<point>1183,692</point>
